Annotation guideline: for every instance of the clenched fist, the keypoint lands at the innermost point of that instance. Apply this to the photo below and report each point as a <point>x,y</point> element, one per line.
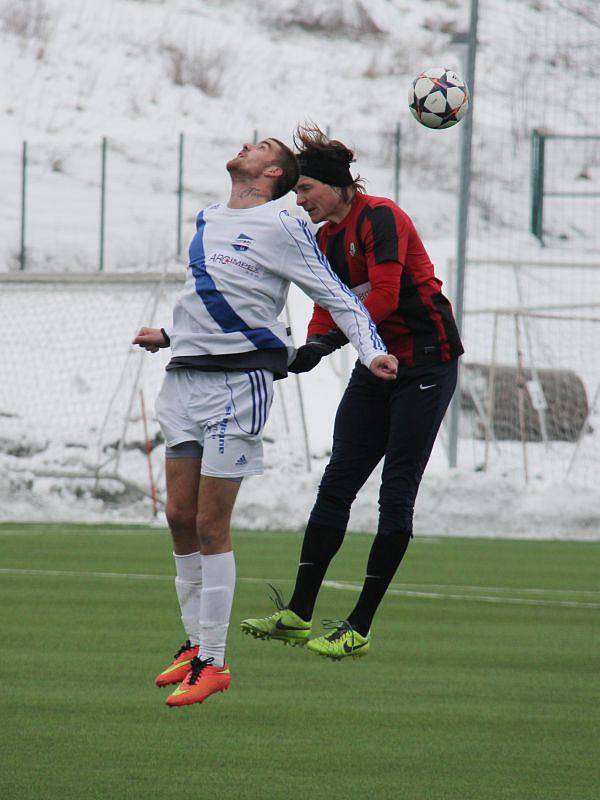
<point>151,339</point>
<point>385,367</point>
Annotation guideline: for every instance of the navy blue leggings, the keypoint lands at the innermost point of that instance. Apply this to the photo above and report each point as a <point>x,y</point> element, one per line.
<point>396,420</point>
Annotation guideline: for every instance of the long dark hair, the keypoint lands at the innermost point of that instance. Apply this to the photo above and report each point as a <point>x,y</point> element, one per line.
<point>310,139</point>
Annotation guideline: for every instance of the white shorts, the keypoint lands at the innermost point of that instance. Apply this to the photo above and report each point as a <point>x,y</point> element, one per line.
<point>225,412</point>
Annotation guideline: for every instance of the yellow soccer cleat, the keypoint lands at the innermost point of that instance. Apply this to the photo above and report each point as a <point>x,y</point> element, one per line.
<point>284,625</point>
<point>342,642</point>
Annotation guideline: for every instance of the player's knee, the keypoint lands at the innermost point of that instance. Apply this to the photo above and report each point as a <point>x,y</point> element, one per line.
<point>180,518</point>
<point>395,519</point>
<point>211,530</point>
<point>332,506</point>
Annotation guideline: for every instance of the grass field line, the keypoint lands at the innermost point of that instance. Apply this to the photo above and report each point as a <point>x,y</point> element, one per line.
<point>472,587</point>
<point>394,589</point>
<point>113,532</point>
<point>116,531</point>
<point>71,573</point>
<point>480,598</point>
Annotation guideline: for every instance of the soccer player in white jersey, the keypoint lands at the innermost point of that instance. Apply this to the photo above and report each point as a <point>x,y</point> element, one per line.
<point>227,347</point>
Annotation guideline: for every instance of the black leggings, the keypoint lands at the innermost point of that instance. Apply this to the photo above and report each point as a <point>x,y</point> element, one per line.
<point>398,420</point>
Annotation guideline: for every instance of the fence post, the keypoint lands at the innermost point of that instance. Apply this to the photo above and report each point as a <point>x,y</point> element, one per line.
<point>23,204</point>
<point>538,143</point>
<point>397,139</point>
<point>102,204</point>
<point>180,194</point>
<point>463,221</point>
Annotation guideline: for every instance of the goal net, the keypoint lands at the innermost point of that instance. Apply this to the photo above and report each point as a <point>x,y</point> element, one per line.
<point>77,399</point>
<point>531,377</point>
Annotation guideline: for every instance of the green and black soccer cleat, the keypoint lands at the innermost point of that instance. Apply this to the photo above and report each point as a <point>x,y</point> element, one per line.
<point>284,625</point>
<point>342,642</point>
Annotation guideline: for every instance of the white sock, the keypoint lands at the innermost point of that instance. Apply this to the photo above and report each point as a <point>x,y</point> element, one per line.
<point>188,585</point>
<point>218,585</point>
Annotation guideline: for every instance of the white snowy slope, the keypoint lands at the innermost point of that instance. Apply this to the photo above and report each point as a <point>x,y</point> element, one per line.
<point>142,72</point>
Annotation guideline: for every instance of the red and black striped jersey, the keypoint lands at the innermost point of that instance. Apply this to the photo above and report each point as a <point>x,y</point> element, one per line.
<point>376,249</point>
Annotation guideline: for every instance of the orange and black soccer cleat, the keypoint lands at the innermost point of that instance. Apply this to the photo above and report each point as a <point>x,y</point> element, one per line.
<point>179,667</point>
<point>201,681</point>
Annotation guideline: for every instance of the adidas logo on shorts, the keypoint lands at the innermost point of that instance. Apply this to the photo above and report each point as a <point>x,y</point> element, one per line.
<point>241,461</point>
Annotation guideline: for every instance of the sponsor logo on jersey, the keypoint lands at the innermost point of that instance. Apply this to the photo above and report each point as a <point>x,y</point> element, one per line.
<point>242,243</point>
<point>250,269</point>
<point>352,249</point>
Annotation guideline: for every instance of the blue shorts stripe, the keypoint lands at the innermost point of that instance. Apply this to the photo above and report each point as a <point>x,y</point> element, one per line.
<point>251,379</point>
<point>266,397</point>
<point>260,400</point>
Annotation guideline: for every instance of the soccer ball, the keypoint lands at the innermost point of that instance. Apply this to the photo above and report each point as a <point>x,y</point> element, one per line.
<point>438,98</point>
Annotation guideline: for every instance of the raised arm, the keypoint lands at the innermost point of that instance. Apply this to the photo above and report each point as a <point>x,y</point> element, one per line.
<point>303,263</point>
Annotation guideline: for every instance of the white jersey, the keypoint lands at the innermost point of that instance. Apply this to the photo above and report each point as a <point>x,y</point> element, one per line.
<point>241,265</point>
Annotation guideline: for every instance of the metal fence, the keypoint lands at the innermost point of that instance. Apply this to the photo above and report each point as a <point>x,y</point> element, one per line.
<point>530,310</point>
<point>51,171</point>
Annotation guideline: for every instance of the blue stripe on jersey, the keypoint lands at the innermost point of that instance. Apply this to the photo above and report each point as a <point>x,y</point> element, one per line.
<point>216,305</point>
<point>375,338</point>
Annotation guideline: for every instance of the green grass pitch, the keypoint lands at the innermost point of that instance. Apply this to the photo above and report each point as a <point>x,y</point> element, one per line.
<point>482,681</point>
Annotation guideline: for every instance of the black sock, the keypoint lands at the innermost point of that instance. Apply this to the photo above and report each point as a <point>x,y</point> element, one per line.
<point>386,554</point>
<point>321,543</point>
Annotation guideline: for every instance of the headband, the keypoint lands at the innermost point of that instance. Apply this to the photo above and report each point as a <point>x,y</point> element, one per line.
<point>332,168</point>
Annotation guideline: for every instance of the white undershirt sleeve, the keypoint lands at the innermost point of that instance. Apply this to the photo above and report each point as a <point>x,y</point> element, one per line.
<point>303,263</point>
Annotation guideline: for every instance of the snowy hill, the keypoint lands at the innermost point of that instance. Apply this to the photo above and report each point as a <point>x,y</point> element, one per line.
<point>140,73</point>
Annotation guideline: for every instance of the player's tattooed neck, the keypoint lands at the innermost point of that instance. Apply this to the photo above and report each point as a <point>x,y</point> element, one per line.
<point>253,193</point>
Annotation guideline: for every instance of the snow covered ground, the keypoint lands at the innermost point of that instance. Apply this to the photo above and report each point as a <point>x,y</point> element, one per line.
<point>142,72</point>
<point>77,405</point>
<point>461,502</point>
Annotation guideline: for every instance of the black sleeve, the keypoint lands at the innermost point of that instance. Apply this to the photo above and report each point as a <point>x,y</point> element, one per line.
<point>316,348</point>
<point>332,340</point>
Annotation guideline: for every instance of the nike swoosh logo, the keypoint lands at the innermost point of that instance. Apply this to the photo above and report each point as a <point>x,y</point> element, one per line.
<point>350,649</point>
<point>429,386</point>
<point>281,627</point>
<point>179,691</point>
<point>176,666</point>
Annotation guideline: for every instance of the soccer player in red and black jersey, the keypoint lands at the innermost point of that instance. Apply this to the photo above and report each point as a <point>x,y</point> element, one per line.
<point>374,248</point>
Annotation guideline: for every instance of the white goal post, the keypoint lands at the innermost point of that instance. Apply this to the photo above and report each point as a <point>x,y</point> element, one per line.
<point>531,374</point>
